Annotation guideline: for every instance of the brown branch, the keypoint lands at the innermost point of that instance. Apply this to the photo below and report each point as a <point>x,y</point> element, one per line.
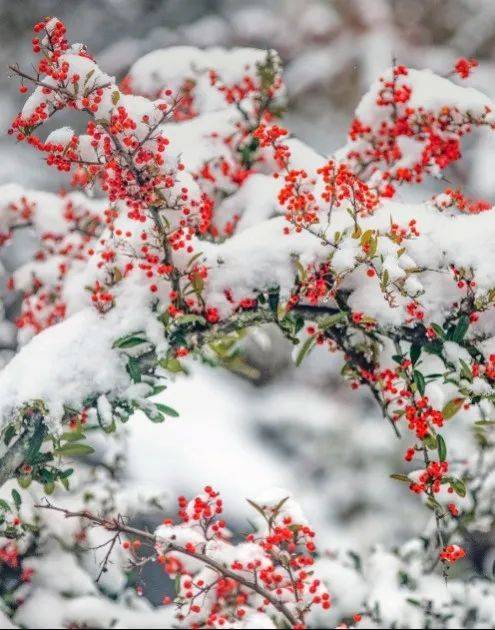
<point>115,525</point>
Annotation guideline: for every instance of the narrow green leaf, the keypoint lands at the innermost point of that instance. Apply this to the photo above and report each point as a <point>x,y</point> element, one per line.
<point>35,445</point>
<point>442,448</point>
<point>331,320</point>
<point>306,347</point>
<point>419,379</point>
<point>459,487</point>
<point>273,300</point>
<point>415,352</point>
<point>74,450</point>
<point>134,369</point>
<point>466,371</point>
<point>439,330</point>
<point>73,436</point>
<point>16,498</point>
<point>9,434</point>
<point>128,342</point>
<point>24,481</point>
<point>461,329</point>
<point>452,407</point>
<point>171,364</point>
<point>167,410</point>
<point>400,477</point>
<point>49,487</point>
<point>190,319</point>
<point>430,441</point>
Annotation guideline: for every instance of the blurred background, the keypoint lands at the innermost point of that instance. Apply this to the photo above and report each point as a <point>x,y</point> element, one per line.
<point>297,428</point>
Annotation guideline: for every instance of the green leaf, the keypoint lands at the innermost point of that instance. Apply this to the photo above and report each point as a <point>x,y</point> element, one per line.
<point>198,283</point>
<point>35,444</point>
<point>171,364</point>
<point>177,583</point>
<point>88,76</point>
<point>193,259</point>
<point>9,434</point>
<point>385,279</point>
<point>415,352</point>
<point>461,329</point>
<point>430,441</point>
<point>74,450</point>
<point>16,498</point>
<point>128,342</point>
<point>276,511</point>
<point>167,410</point>
<point>442,448</point>
<point>158,389</point>
<point>459,487</point>
<point>4,506</point>
<point>273,300</point>
<point>134,370</point>
<point>400,477</point>
<point>452,407</point>
<point>155,417</point>
<point>115,97</point>
<point>466,371</point>
<point>190,319</point>
<point>300,270</point>
<point>65,482</point>
<point>24,481</point>
<point>306,348</point>
<point>439,330</point>
<point>434,347</point>
<point>49,487</point>
<point>433,504</point>
<point>419,380</point>
<point>73,436</point>
<point>331,320</point>
<point>298,323</point>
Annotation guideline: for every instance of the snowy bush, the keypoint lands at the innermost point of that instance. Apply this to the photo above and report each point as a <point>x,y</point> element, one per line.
<point>211,220</point>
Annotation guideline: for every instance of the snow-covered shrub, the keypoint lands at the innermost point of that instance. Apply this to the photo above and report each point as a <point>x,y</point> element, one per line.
<point>214,220</point>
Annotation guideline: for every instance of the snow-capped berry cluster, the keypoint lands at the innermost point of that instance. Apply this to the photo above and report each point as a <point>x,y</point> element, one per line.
<point>271,571</point>
<point>398,139</point>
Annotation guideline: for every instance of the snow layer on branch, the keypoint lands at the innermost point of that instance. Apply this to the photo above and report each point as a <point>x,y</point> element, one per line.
<point>47,208</point>
<point>430,92</point>
<point>66,363</point>
<point>444,239</point>
<point>170,68</point>
<point>258,258</point>
<point>79,351</point>
<point>82,66</point>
